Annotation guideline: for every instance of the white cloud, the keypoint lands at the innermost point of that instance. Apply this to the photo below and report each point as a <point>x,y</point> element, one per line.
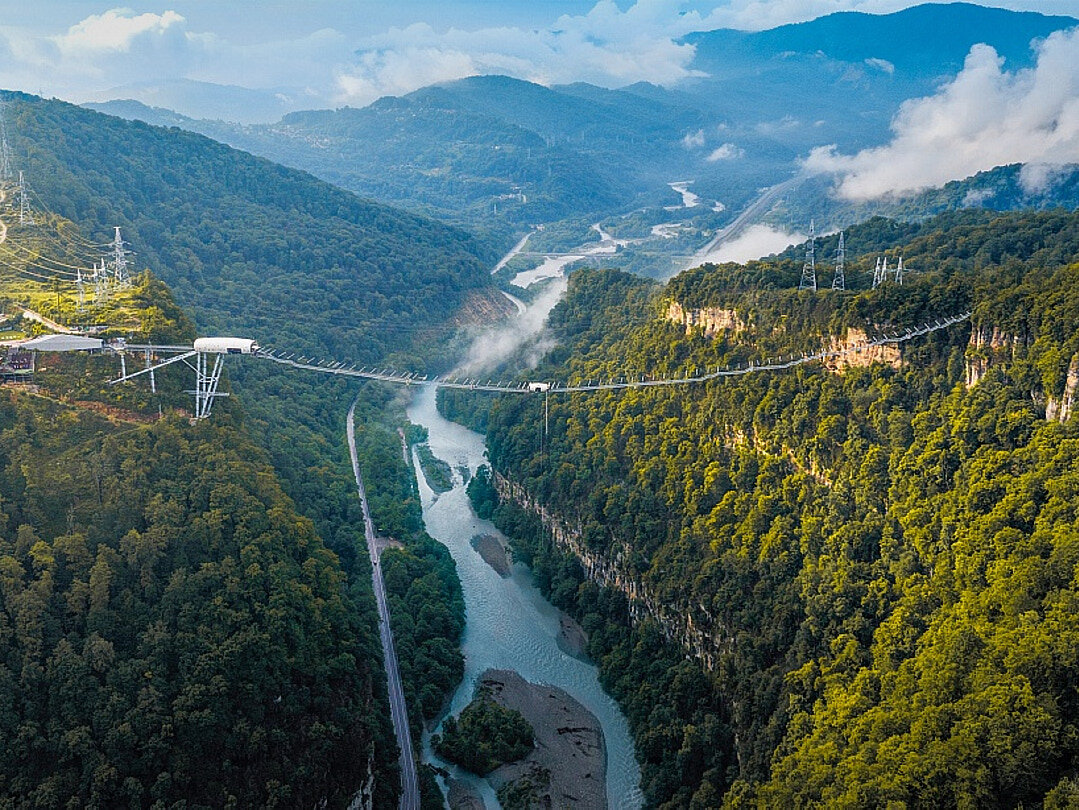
<point>116,30</point>
<point>882,65</point>
<point>607,46</point>
<point>524,336</point>
<point>1037,178</point>
<point>727,151</point>
<point>693,140</point>
<point>756,241</point>
<point>976,196</point>
<point>985,117</point>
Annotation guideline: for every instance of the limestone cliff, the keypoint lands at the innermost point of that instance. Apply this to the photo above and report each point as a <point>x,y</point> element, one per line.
<point>853,351</point>
<point>988,345</point>
<point>712,320</point>
<point>1062,409</point>
<point>694,627</point>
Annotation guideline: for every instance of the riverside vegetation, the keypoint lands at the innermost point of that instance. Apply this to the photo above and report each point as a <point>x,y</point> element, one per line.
<point>484,735</point>
<point>881,566</point>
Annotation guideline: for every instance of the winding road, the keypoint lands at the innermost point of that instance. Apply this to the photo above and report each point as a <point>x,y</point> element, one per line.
<point>756,209</point>
<point>410,785</point>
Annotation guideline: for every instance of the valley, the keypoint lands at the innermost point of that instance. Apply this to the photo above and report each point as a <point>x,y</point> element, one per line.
<point>535,459</point>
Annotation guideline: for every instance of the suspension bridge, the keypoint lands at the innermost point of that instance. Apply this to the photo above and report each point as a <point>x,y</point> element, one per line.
<point>611,384</point>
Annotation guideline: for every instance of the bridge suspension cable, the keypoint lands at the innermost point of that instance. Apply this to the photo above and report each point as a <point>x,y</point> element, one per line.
<point>613,384</point>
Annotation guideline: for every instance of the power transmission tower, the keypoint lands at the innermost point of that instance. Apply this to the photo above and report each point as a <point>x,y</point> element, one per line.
<point>26,216</point>
<point>80,287</point>
<point>880,271</point>
<point>839,281</point>
<point>206,378</point>
<point>5,150</point>
<point>899,271</point>
<point>101,284</point>
<point>809,269</point>
<point>119,260</point>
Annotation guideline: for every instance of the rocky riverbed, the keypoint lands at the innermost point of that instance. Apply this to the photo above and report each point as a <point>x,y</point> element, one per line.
<point>568,766</point>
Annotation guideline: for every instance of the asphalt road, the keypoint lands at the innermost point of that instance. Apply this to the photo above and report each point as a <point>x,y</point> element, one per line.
<point>410,785</point>
<point>753,212</point>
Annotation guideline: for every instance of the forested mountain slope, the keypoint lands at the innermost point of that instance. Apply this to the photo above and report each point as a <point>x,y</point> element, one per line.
<point>244,243</point>
<point>1014,187</point>
<point>258,250</point>
<point>848,587</point>
<point>171,629</point>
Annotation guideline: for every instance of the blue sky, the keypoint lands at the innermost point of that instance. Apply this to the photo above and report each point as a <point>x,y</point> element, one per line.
<point>327,53</point>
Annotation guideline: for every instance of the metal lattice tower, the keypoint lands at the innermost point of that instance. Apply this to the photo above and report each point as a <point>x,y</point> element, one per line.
<point>809,269</point>
<point>879,271</point>
<point>101,284</point>
<point>899,271</point>
<point>26,215</point>
<point>206,378</point>
<point>839,281</point>
<point>80,287</point>
<point>119,260</point>
<point>6,172</point>
<point>5,155</point>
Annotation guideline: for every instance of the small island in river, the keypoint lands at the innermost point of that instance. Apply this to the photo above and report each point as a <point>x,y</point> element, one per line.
<point>566,765</point>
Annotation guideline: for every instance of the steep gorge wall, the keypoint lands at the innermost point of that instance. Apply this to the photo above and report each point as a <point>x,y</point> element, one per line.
<point>700,635</point>
<point>853,348</point>
<point>712,320</point>
<point>991,346</point>
<point>1062,409</point>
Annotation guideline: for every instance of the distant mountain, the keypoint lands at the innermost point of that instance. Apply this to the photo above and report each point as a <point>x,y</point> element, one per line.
<point>498,154</point>
<point>1005,188</point>
<point>241,105</point>
<point>247,244</point>
<point>925,41</point>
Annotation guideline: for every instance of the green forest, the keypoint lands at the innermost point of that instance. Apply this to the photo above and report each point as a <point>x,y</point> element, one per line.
<point>172,629</point>
<point>484,735</point>
<point>251,249</point>
<point>855,589</point>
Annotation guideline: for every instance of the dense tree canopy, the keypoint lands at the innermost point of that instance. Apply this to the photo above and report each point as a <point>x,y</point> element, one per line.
<point>872,575</point>
<point>172,629</point>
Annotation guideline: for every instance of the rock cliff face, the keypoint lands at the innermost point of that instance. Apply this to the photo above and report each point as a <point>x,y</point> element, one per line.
<point>855,352</point>
<point>988,345</point>
<point>853,348</point>
<point>991,346</point>
<point>1062,409</point>
<point>712,320</point>
<point>364,798</point>
<point>691,626</point>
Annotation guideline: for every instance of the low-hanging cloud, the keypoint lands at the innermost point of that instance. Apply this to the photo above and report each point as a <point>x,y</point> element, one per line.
<point>726,151</point>
<point>607,46</point>
<point>985,117</point>
<point>524,337</point>
<point>755,242</point>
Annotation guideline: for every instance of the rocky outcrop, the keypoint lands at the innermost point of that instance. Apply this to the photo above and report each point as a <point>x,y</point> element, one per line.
<point>364,798</point>
<point>712,320</point>
<point>693,627</point>
<point>1062,409</point>
<point>483,307</point>
<point>853,351</point>
<point>988,346</point>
